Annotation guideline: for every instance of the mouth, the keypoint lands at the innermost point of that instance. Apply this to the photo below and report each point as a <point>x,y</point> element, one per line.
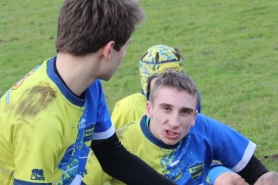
<point>171,134</point>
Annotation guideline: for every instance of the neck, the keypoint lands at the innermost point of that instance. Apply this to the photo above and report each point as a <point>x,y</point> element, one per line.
<point>77,72</point>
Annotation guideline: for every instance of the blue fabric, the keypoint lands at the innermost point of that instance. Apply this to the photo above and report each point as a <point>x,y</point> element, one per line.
<point>207,140</point>
<point>215,171</point>
<point>199,103</point>
<point>94,121</point>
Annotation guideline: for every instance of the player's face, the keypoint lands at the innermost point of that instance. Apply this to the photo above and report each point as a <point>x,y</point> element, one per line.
<point>116,60</point>
<point>171,114</point>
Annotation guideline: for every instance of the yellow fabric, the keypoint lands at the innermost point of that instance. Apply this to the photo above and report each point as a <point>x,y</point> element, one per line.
<point>30,140</point>
<point>133,139</point>
<point>129,109</point>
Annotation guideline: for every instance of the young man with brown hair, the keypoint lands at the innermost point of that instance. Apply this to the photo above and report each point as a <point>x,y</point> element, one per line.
<point>51,117</point>
<point>154,61</point>
<point>180,143</point>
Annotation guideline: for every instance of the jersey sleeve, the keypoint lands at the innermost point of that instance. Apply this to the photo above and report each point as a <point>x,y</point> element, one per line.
<point>36,147</point>
<point>103,127</point>
<point>229,146</point>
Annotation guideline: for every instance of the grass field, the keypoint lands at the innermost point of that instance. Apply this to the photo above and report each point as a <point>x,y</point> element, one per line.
<point>230,49</point>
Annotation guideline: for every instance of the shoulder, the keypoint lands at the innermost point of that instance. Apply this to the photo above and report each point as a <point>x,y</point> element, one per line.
<point>136,97</point>
<point>96,87</point>
<point>132,102</point>
<point>205,120</point>
<point>209,126</point>
<point>205,124</point>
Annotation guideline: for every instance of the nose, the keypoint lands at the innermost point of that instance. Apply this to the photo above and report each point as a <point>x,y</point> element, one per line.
<point>174,121</point>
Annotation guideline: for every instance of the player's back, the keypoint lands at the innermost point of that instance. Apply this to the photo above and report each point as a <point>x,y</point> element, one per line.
<point>14,106</point>
<point>26,128</point>
<point>129,109</point>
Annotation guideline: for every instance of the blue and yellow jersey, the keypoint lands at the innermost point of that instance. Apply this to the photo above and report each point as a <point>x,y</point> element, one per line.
<point>189,161</point>
<point>45,132</point>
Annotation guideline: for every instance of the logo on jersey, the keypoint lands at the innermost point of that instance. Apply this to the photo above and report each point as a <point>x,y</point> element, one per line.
<point>18,84</point>
<point>37,174</point>
<point>196,169</point>
<point>66,158</point>
<point>89,132</point>
<point>88,136</point>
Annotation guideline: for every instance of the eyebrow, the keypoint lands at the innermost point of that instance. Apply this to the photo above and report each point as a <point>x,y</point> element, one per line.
<point>165,104</point>
<point>188,109</point>
<point>169,105</point>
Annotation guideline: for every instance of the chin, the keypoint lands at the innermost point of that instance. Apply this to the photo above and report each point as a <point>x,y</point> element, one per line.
<point>106,78</point>
<point>167,142</point>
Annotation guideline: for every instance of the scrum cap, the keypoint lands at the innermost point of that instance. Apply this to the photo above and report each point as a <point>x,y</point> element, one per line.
<point>156,60</point>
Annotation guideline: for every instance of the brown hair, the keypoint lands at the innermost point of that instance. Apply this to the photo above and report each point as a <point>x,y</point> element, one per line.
<point>85,26</point>
<point>175,80</point>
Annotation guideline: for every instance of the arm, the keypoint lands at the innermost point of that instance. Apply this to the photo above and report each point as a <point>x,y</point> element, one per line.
<point>225,143</point>
<point>239,157</point>
<point>121,164</point>
<point>253,170</point>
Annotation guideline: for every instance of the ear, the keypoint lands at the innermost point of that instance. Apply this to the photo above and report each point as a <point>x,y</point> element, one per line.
<point>194,117</point>
<point>107,50</point>
<point>149,109</point>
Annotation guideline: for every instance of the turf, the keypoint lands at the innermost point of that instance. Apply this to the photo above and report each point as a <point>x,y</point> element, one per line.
<point>230,50</point>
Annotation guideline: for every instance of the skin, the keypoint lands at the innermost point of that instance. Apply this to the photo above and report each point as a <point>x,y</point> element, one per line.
<point>229,178</point>
<point>269,178</point>
<point>115,59</point>
<point>80,72</point>
<point>172,113</point>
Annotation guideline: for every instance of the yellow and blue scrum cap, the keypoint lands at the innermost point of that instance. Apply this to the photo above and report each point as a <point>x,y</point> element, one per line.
<point>156,60</point>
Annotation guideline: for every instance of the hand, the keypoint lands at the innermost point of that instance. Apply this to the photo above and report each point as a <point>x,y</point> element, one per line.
<point>269,178</point>
<point>229,178</point>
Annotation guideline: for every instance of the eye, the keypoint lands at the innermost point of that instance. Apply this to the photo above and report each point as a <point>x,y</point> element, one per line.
<point>166,108</point>
<point>185,111</point>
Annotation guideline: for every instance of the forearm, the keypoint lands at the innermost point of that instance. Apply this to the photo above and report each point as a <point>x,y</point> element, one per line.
<point>253,171</point>
<point>124,166</point>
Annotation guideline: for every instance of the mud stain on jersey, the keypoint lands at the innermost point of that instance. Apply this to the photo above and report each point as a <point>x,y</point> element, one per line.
<point>123,129</point>
<point>35,100</point>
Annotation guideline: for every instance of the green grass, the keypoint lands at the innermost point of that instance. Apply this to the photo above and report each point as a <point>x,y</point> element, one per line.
<point>230,49</point>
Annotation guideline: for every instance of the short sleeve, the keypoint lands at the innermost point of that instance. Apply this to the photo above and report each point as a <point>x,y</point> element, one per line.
<point>103,126</point>
<point>229,146</point>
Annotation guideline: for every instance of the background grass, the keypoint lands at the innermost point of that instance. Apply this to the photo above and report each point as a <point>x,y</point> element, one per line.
<point>230,50</point>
